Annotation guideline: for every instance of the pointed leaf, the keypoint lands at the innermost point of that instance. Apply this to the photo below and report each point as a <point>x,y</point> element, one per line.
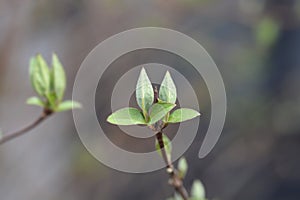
<point>159,110</point>
<point>39,73</point>
<point>59,78</point>
<point>182,167</point>
<point>67,105</point>
<point>167,146</point>
<point>127,116</point>
<point>167,91</point>
<point>182,114</point>
<point>36,81</point>
<point>35,101</point>
<point>144,92</point>
<point>198,190</point>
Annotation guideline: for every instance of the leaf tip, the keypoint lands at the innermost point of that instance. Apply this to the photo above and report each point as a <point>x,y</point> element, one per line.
<point>167,73</point>
<point>39,56</point>
<point>54,56</point>
<point>76,105</point>
<point>109,118</point>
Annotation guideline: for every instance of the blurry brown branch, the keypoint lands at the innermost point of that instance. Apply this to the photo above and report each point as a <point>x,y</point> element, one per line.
<point>10,136</point>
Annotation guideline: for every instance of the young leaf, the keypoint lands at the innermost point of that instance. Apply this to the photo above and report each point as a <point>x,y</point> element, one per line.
<point>37,76</point>
<point>182,167</point>
<point>59,78</point>
<point>159,110</point>
<point>167,91</point>
<point>144,92</point>
<point>198,191</point>
<point>126,116</point>
<point>35,101</point>
<point>67,105</point>
<point>167,146</point>
<point>182,114</point>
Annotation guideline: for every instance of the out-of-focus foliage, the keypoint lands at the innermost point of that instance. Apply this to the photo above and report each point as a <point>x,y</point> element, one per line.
<point>49,84</point>
<point>267,32</point>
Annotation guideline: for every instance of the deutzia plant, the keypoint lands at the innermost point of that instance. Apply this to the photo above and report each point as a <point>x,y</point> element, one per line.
<point>156,111</point>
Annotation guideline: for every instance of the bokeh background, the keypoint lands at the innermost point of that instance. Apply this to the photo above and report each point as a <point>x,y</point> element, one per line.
<point>256,45</point>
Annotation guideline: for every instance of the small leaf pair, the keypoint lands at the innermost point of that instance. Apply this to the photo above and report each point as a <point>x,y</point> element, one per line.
<point>151,113</point>
<point>49,84</point>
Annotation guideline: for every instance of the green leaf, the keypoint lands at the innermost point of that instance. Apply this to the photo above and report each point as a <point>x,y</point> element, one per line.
<point>167,90</point>
<point>159,110</point>
<point>127,116</point>
<point>182,114</point>
<point>198,190</point>
<point>59,78</point>
<point>35,101</point>
<point>144,92</point>
<point>182,167</point>
<point>67,105</point>
<point>167,146</point>
<point>39,75</point>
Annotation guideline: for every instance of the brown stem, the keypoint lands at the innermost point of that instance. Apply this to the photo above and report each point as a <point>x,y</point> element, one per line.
<point>9,136</point>
<point>175,180</point>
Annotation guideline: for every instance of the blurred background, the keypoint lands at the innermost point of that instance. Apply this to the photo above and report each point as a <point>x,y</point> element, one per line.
<point>255,44</point>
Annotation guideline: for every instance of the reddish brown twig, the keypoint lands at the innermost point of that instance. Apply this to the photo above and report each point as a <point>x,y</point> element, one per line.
<point>10,136</point>
<point>174,180</point>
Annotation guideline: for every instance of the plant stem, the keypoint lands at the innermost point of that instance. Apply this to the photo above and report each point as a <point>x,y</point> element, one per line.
<point>175,180</point>
<point>7,137</point>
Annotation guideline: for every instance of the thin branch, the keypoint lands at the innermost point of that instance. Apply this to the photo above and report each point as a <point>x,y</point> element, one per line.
<point>10,136</point>
<point>175,180</point>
